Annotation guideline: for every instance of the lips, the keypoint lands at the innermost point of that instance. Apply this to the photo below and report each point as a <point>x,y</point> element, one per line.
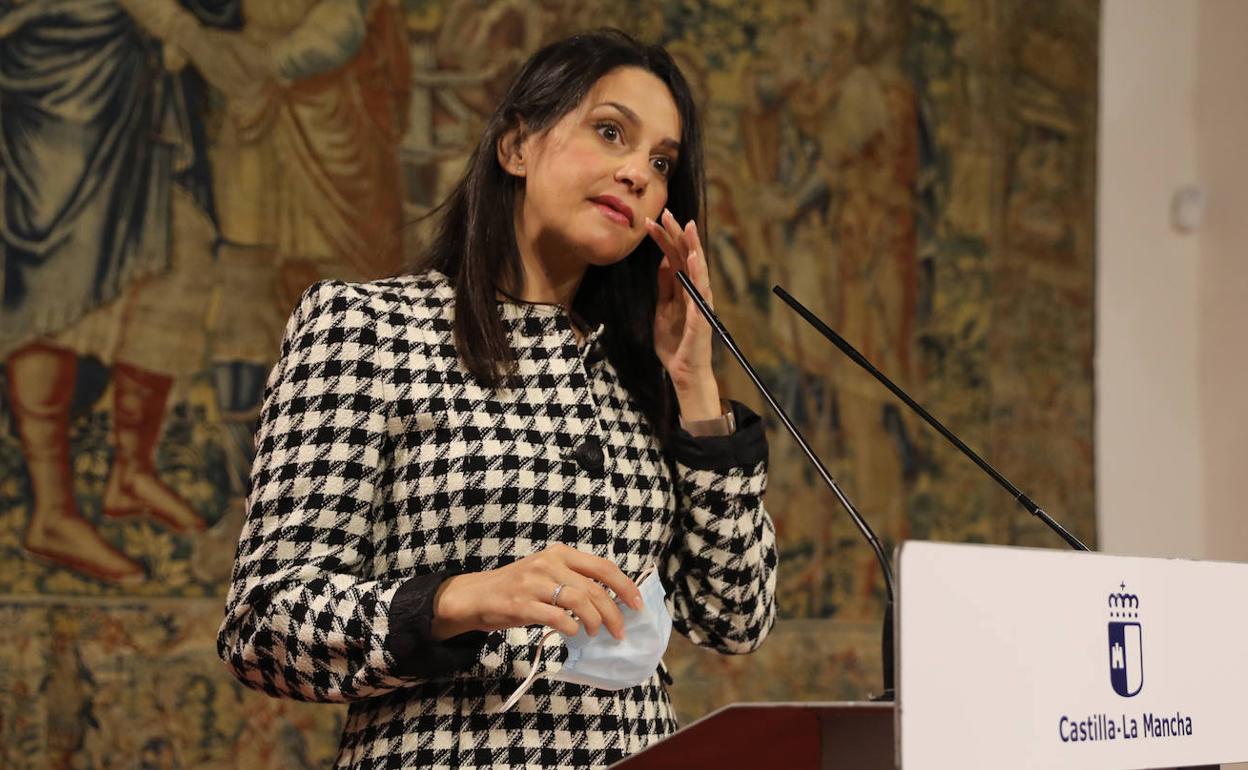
<point>613,204</point>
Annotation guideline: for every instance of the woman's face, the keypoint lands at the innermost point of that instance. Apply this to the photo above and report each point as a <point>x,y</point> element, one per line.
<point>593,178</point>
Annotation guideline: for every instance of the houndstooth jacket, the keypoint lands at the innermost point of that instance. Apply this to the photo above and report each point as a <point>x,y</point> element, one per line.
<point>382,468</point>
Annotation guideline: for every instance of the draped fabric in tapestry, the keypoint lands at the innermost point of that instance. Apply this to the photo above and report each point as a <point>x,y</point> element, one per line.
<point>175,173</point>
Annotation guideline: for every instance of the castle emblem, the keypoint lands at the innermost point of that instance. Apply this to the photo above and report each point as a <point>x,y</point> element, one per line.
<point>1126,651</point>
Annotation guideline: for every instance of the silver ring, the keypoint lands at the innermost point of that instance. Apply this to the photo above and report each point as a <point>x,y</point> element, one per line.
<point>554,598</point>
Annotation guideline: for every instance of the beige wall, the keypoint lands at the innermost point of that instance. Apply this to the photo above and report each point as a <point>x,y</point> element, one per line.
<point>1172,308</point>
<point>1222,165</point>
<point>1149,448</point>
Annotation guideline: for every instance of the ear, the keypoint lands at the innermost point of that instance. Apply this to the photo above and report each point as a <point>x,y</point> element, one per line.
<point>511,150</point>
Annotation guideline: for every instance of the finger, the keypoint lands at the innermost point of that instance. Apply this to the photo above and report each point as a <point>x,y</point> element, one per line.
<point>608,610</point>
<point>659,234</point>
<point>549,615</point>
<point>696,270</point>
<point>699,269</point>
<point>674,237</point>
<point>693,250</point>
<point>668,220</point>
<point>671,249</point>
<point>607,573</point>
<point>673,230</point>
<point>667,281</point>
<point>577,599</point>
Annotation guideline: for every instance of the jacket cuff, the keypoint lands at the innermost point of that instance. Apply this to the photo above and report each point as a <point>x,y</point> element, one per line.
<point>746,447</point>
<point>410,641</point>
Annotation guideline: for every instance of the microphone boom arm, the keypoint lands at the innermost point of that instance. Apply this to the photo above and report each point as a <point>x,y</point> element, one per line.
<point>1026,502</point>
<point>860,522</point>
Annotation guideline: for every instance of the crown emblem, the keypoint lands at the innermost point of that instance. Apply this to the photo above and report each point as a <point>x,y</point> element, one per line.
<point>1123,604</point>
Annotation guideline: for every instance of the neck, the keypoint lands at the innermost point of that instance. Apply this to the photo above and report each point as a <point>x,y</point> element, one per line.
<point>551,274</point>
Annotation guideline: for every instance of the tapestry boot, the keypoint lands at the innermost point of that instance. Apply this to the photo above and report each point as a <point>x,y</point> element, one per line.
<point>133,487</point>
<point>40,390</point>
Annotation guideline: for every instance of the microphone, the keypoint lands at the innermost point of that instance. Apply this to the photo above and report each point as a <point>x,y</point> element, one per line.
<point>1026,502</point>
<point>886,644</point>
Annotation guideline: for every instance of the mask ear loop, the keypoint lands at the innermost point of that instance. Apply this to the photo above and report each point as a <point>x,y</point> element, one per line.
<point>535,670</point>
<point>530,679</point>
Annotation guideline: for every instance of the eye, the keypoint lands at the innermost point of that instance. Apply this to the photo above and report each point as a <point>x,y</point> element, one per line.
<point>609,131</point>
<point>663,165</point>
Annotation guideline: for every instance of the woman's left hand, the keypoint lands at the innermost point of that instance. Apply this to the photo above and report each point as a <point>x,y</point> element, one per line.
<point>682,337</point>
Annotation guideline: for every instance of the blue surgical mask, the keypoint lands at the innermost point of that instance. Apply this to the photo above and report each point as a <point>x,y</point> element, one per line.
<point>608,663</point>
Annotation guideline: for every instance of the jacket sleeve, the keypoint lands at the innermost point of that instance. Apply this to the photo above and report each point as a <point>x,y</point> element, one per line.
<point>303,619</point>
<point>720,568</point>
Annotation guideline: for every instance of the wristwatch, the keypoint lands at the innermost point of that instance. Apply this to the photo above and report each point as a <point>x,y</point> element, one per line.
<point>723,425</point>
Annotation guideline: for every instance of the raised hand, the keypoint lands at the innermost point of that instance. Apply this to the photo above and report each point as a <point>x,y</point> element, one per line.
<point>682,337</point>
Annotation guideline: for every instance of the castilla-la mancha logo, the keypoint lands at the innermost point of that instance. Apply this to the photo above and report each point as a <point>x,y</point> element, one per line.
<point>1126,651</point>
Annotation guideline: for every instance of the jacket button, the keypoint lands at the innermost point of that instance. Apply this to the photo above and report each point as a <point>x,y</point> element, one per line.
<point>588,454</point>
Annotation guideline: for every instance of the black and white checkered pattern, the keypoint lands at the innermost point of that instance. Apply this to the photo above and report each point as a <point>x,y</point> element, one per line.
<point>379,459</point>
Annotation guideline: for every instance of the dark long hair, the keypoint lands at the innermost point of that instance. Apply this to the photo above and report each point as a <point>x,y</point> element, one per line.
<point>475,244</point>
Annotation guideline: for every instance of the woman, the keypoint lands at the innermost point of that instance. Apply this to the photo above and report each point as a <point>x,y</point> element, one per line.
<point>452,462</point>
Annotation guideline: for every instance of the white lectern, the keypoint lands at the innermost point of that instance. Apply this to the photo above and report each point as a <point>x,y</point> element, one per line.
<point>1020,658</point>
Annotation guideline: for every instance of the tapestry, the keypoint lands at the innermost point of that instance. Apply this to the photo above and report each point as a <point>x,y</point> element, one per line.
<point>173,174</point>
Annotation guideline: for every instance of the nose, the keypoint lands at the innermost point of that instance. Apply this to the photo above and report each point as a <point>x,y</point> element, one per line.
<point>632,173</point>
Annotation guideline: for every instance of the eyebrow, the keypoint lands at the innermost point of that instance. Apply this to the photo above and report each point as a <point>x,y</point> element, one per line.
<point>667,142</point>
